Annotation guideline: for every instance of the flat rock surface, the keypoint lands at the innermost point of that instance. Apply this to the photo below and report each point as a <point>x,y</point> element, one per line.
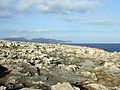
<point>33,66</point>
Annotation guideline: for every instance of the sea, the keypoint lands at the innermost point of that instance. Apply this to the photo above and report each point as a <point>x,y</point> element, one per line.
<point>107,47</point>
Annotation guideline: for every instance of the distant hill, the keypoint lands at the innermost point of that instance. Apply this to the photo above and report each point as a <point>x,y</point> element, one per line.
<point>44,40</point>
<point>17,39</point>
<point>37,40</point>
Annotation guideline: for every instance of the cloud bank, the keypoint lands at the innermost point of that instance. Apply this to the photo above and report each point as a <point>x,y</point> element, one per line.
<point>65,8</point>
<point>11,7</point>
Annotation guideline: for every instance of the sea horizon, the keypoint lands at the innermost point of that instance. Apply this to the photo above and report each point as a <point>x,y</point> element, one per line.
<point>110,47</point>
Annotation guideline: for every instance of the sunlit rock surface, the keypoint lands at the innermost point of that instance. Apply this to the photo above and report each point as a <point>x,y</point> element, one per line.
<point>35,66</point>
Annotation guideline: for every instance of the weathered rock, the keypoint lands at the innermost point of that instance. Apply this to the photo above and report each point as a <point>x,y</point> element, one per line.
<point>13,83</point>
<point>63,86</point>
<point>89,75</point>
<point>4,74</point>
<point>76,88</point>
<point>2,88</point>
<point>96,86</point>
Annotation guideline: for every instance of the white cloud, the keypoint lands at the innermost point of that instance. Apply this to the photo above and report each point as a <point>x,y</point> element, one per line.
<point>48,6</point>
<point>31,30</point>
<point>26,33</point>
<point>93,21</point>
<point>5,14</point>
<point>102,21</point>
<point>57,6</point>
<point>18,36</point>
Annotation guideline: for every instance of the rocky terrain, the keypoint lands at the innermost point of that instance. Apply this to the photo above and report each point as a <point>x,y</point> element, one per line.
<point>32,66</point>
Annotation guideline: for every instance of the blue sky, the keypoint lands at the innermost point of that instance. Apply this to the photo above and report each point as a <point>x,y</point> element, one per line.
<point>86,21</point>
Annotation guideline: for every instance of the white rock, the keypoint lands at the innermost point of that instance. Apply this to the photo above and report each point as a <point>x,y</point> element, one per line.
<point>96,86</point>
<point>89,75</point>
<point>39,65</point>
<point>64,86</point>
<point>71,68</point>
<point>2,88</point>
<point>112,67</point>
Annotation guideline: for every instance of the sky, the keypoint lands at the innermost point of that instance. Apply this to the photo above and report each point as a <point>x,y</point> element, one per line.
<point>81,21</point>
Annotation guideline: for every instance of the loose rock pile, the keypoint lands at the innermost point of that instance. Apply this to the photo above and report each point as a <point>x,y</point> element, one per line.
<point>32,66</point>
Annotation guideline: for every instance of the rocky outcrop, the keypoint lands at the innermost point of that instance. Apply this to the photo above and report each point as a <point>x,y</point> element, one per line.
<point>32,66</point>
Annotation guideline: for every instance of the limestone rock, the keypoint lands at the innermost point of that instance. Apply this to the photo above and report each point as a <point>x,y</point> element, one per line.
<point>63,86</point>
<point>95,86</point>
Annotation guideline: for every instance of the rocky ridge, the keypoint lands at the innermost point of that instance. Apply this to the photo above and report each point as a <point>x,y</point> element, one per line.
<point>34,66</point>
